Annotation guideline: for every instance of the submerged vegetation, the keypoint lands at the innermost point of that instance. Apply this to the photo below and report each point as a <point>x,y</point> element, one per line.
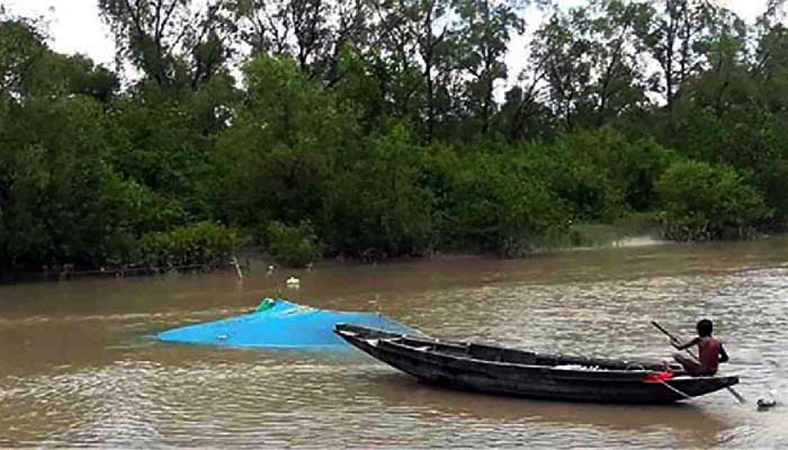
<point>373,129</point>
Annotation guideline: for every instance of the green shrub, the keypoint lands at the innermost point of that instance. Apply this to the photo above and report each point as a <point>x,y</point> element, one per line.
<point>579,175</point>
<point>293,246</point>
<point>378,205</point>
<point>773,182</point>
<point>204,243</point>
<point>590,177</point>
<point>708,202</point>
<point>502,203</point>
<point>637,168</point>
<point>129,210</point>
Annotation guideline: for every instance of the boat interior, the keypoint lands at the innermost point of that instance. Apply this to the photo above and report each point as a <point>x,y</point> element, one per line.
<point>493,353</point>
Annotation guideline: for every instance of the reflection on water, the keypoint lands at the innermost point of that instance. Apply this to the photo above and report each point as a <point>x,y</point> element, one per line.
<point>78,366</point>
<point>438,403</point>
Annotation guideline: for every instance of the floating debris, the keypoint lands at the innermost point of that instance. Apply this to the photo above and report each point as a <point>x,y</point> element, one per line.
<point>764,404</point>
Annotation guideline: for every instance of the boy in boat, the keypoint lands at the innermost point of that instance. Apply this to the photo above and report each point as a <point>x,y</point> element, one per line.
<point>711,351</point>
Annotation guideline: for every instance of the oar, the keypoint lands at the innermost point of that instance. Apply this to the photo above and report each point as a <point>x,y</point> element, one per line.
<point>667,333</point>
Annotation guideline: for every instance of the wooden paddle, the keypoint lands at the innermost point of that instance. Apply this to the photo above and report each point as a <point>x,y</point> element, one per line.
<point>673,338</point>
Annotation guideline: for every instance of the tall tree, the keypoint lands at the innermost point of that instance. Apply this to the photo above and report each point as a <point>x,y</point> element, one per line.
<point>414,35</point>
<point>770,68</point>
<point>21,46</point>
<point>617,86</point>
<point>559,58</point>
<point>589,59</point>
<point>312,32</point>
<point>432,34</point>
<point>676,37</point>
<point>260,24</point>
<point>160,37</point>
<point>484,30</point>
<point>397,49</point>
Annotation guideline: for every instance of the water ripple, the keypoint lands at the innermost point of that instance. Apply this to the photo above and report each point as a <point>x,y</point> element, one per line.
<point>89,381</point>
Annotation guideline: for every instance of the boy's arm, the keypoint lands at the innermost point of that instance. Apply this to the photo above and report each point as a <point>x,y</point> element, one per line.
<point>723,355</point>
<point>689,344</point>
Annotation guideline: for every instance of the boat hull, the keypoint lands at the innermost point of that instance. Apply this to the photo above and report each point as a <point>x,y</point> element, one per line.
<point>456,371</point>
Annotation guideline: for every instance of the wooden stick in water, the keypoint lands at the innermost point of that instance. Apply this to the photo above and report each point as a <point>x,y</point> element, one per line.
<point>238,272</point>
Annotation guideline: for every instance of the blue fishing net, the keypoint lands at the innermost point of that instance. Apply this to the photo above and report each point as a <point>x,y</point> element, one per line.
<point>279,323</point>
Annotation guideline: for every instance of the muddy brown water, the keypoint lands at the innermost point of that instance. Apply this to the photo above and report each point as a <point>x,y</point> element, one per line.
<point>78,366</point>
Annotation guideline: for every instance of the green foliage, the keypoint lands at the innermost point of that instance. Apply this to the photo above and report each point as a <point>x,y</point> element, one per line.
<point>173,43</point>
<point>156,144</point>
<point>54,74</point>
<point>708,202</point>
<point>482,39</point>
<point>292,246</point>
<point>21,45</point>
<point>283,145</point>
<point>357,88</point>
<point>201,243</point>
<point>637,167</point>
<point>130,210</point>
<point>773,182</point>
<point>371,129</point>
<point>594,172</point>
<point>500,202</point>
<point>49,176</point>
<point>375,206</point>
<point>596,189</point>
<point>590,61</point>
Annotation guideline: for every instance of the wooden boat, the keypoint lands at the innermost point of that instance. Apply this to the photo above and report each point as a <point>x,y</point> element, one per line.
<point>504,371</point>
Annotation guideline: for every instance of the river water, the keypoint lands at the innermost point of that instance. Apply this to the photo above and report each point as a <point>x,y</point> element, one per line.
<point>78,366</point>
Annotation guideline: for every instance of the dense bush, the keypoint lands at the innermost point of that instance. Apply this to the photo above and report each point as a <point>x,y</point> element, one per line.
<point>385,139</point>
<point>201,243</point>
<point>283,147</point>
<point>50,182</point>
<point>376,205</point>
<point>292,246</point>
<point>500,203</point>
<point>639,166</point>
<point>707,202</point>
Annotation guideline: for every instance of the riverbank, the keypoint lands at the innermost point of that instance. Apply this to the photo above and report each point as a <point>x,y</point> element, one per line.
<point>633,230</point>
<point>630,232</point>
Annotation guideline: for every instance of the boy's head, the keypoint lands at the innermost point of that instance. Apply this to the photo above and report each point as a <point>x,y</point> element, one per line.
<point>705,327</point>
